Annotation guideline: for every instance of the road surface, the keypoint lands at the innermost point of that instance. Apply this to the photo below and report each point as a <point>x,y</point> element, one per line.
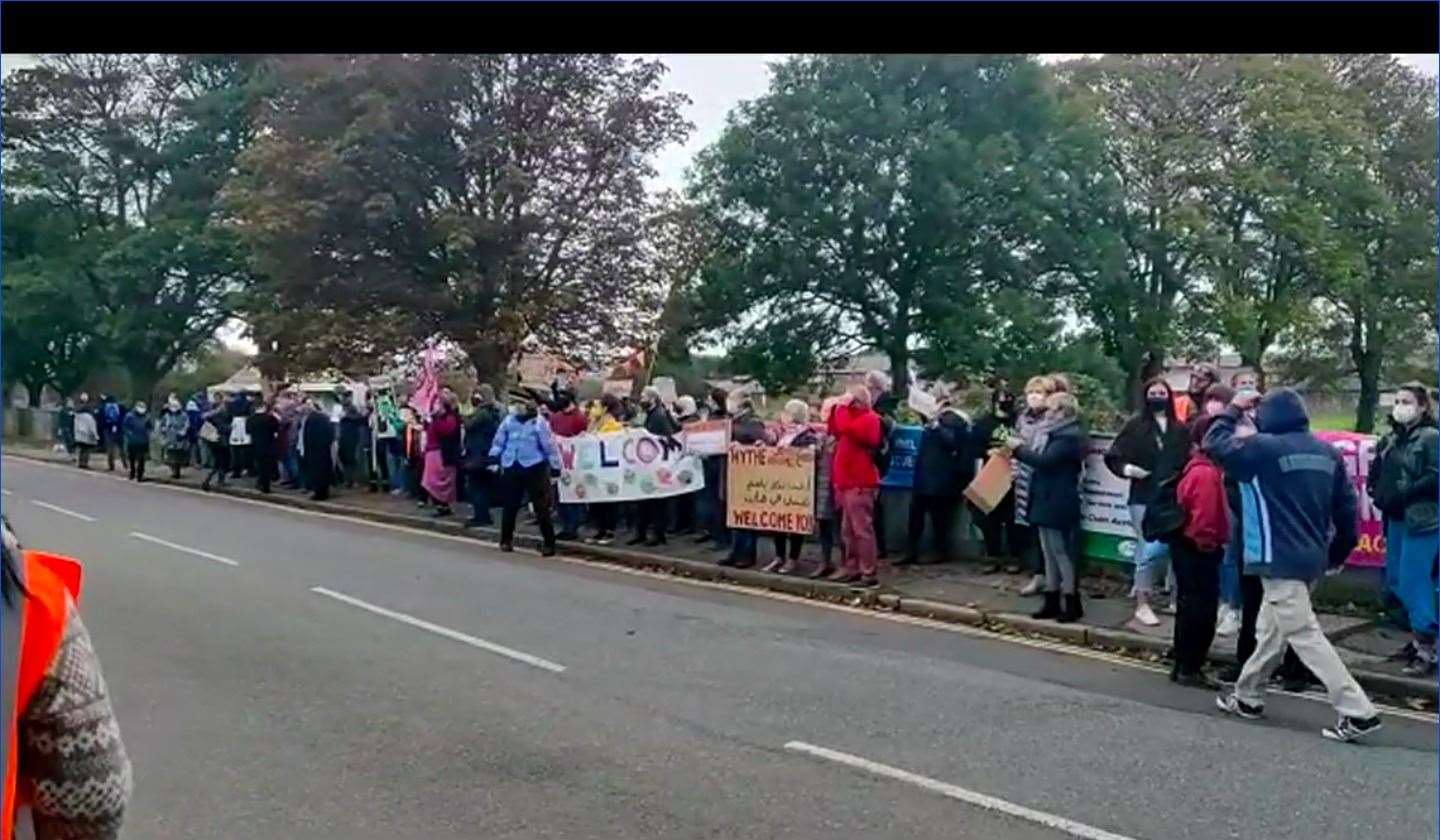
<point>280,674</point>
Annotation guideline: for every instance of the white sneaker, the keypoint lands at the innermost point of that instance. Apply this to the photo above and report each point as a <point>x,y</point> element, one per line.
<point>1229,622</point>
<point>1146,616</point>
<point>1169,607</point>
<point>1036,584</point>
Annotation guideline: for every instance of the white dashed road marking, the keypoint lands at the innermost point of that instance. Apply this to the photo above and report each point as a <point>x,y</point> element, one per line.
<point>195,551</point>
<point>979,800</point>
<point>499,650</point>
<point>80,516</point>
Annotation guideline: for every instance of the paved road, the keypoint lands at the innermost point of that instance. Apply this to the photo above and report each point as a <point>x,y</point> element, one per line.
<point>437,688</point>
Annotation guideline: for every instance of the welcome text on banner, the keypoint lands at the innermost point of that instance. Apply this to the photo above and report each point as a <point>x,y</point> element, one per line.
<point>625,466</point>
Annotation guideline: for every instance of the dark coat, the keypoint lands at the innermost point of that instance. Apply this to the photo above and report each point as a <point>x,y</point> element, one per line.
<point>1141,443</point>
<point>479,434</point>
<point>945,463</point>
<point>658,421</point>
<point>318,433</point>
<point>264,430</point>
<point>1055,459</point>
<point>1402,479</point>
<point>748,429</point>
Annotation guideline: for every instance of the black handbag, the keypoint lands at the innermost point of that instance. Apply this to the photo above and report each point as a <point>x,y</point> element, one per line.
<point>1164,518</point>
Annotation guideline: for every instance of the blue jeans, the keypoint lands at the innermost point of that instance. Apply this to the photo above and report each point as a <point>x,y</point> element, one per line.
<point>1230,569</point>
<point>1394,543</point>
<point>1417,576</point>
<point>742,548</point>
<point>710,508</point>
<point>1150,557</point>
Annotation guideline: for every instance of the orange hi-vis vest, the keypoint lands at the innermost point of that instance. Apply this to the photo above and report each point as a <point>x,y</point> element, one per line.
<point>34,626</point>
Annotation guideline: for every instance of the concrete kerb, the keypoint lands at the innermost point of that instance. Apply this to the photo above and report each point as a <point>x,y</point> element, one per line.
<point>1104,638</point>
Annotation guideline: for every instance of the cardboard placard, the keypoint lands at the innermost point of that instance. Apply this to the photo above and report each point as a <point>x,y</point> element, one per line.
<point>771,489</point>
<point>991,484</point>
<point>708,437</point>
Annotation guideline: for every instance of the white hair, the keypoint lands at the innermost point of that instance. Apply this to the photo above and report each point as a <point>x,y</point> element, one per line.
<point>877,380</point>
<point>685,405</point>
<point>798,411</point>
<point>650,392</point>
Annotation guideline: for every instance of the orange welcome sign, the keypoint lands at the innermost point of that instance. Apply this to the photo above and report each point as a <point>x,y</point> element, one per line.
<point>771,488</point>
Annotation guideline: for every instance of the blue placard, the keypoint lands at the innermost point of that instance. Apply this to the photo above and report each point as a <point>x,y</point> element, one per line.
<point>905,448</point>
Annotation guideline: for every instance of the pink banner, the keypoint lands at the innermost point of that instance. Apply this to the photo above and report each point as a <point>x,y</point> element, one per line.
<point>1357,451</point>
<point>427,388</point>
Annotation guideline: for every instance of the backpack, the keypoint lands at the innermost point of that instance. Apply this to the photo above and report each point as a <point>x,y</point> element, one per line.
<point>1164,518</point>
<point>112,414</point>
<point>884,453</point>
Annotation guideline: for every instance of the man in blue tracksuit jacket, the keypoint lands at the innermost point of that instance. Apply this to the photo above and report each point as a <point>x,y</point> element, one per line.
<point>1299,519</point>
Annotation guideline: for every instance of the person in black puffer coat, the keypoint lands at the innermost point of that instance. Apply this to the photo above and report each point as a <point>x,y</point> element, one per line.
<point>944,467</point>
<point>654,513</point>
<point>479,434</point>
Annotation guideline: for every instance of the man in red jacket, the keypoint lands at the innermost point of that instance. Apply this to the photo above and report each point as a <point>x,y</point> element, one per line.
<point>856,428</point>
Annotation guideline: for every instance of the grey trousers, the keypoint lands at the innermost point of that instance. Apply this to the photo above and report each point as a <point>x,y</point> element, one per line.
<point>1286,616</point>
<point>1059,565</point>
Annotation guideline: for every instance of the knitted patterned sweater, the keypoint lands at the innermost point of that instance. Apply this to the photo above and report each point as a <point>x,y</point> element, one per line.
<point>70,749</point>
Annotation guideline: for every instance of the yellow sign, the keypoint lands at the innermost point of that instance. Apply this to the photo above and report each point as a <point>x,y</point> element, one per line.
<point>771,489</point>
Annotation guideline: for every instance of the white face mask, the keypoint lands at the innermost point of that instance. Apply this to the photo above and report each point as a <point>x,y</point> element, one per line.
<point>1035,401</point>
<point>1405,414</point>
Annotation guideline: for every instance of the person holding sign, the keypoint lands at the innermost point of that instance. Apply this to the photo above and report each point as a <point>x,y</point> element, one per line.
<point>1055,455</point>
<point>795,431</point>
<point>748,429</point>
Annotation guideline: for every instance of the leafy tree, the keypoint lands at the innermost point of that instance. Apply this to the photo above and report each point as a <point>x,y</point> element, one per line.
<point>872,201</point>
<point>132,148</point>
<point>480,199</point>
<point>1162,119</point>
<point>48,336</point>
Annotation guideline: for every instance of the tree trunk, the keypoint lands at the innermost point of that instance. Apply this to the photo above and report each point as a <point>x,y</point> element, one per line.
<point>1367,364</point>
<point>900,370</point>
<point>1150,365</point>
<point>490,360</point>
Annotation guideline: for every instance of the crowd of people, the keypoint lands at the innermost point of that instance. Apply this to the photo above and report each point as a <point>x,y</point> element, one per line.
<point>1236,556</point>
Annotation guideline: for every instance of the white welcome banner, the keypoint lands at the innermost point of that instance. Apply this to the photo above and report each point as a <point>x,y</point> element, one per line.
<point>625,466</point>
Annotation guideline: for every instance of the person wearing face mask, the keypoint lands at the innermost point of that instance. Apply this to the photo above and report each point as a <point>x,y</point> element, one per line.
<point>480,430</point>
<point>1027,426</point>
<point>174,429</point>
<point>1003,537</point>
<point>1152,445</point>
<point>1188,405</point>
<point>136,427</point>
<point>442,453</point>
<point>1403,485</point>
<point>523,450</point>
<point>653,513</point>
<point>1055,454</point>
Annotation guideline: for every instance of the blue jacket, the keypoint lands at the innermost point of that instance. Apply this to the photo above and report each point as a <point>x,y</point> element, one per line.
<point>526,442</point>
<point>1293,490</point>
<point>137,429</point>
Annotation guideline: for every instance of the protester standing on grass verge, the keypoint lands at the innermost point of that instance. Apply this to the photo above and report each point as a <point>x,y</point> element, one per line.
<point>1403,483</point>
<point>1151,446</point>
<point>136,428</point>
<point>1197,552</point>
<point>524,452</point>
<point>1027,426</point>
<point>944,467</point>
<point>1055,454</point>
<point>174,429</point>
<point>567,421</point>
<point>479,434</point>
<point>1296,495</point>
<point>857,429</point>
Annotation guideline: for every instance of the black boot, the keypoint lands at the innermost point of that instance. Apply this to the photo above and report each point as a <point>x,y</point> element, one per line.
<point>1072,611</point>
<point>1051,608</point>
